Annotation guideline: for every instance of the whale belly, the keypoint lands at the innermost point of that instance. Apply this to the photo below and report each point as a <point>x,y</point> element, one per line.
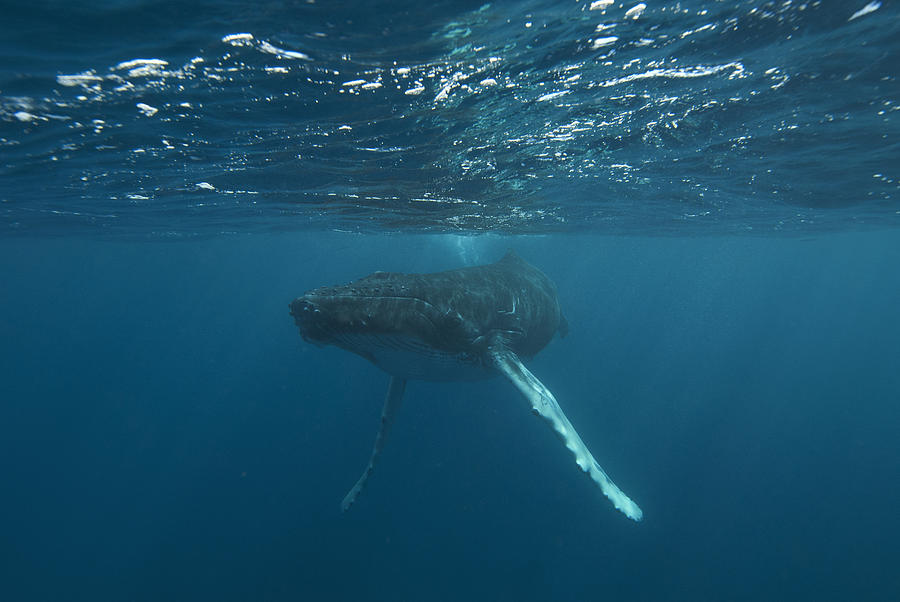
<point>411,358</point>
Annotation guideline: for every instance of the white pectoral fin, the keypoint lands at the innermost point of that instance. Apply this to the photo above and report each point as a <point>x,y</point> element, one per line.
<point>545,405</point>
<point>391,405</point>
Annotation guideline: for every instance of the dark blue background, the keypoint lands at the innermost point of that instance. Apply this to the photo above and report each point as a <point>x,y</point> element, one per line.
<point>166,434</point>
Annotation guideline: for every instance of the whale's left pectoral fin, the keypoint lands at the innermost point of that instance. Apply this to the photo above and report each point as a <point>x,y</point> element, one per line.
<point>545,405</point>
<point>391,405</point>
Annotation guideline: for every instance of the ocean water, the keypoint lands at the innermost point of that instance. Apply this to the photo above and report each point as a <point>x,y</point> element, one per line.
<point>713,187</point>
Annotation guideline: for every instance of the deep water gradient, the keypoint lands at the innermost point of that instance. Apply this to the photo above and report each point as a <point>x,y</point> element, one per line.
<point>165,434</point>
<point>713,186</point>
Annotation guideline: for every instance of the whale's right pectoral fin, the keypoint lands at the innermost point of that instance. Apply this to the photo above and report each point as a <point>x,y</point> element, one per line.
<point>545,405</point>
<point>391,405</point>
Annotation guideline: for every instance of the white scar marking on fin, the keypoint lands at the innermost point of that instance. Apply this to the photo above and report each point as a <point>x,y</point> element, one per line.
<point>391,405</point>
<point>545,405</point>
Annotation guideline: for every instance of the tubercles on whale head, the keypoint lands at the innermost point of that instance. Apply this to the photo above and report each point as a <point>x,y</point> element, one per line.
<point>324,315</point>
<point>308,317</point>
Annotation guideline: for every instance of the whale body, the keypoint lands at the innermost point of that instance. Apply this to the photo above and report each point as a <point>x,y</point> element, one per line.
<point>464,324</point>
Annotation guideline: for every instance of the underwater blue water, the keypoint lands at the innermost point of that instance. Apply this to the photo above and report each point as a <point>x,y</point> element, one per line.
<point>712,186</point>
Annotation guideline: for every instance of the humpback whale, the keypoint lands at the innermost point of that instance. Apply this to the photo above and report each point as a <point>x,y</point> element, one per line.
<point>463,324</point>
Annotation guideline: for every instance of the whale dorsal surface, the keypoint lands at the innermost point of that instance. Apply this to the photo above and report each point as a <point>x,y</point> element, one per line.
<point>463,324</point>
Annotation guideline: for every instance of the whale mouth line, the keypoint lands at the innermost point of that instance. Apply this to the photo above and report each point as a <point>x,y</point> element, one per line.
<point>310,297</point>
